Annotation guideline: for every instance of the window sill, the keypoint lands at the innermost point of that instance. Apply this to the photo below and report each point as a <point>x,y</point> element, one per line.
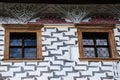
<point>22,60</point>
<point>99,59</point>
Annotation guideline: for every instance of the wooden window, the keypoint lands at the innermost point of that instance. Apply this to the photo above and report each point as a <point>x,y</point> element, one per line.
<point>22,42</point>
<point>96,42</point>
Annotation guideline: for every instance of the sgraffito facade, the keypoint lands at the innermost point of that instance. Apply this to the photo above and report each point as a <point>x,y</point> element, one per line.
<point>60,50</point>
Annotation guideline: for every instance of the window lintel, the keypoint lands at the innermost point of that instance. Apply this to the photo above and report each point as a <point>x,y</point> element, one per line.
<point>92,26</point>
<point>22,26</point>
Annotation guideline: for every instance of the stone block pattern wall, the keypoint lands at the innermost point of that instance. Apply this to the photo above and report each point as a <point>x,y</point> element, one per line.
<point>60,53</point>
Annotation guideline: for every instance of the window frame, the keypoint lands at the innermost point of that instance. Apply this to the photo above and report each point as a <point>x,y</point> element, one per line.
<point>100,28</point>
<point>25,28</point>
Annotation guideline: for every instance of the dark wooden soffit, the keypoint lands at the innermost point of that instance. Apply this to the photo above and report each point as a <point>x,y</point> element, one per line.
<point>64,1</point>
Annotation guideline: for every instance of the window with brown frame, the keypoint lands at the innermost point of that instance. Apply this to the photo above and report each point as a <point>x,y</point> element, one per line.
<point>96,42</point>
<point>22,42</point>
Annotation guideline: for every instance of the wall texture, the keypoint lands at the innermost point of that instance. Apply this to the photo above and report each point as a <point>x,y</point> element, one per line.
<point>59,45</point>
<point>60,52</point>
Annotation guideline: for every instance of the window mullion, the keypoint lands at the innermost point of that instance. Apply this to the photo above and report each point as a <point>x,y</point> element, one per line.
<point>22,47</point>
<point>95,47</point>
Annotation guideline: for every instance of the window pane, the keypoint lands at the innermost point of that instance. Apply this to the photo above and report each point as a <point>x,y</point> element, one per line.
<point>103,52</point>
<point>15,42</point>
<point>30,53</point>
<point>89,52</point>
<point>101,42</point>
<point>30,42</point>
<point>88,42</point>
<point>15,53</point>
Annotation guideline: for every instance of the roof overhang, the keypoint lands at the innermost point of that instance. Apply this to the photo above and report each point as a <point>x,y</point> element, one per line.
<point>64,1</point>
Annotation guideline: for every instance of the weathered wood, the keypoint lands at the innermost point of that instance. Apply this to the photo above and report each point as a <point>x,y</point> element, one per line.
<point>100,29</point>
<point>22,28</point>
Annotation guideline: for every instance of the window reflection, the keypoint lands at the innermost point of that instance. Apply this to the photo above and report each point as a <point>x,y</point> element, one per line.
<point>103,52</point>
<point>101,42</point>
<point>30,42</point>
<point>88,42</point>
<point>30,53</point>
<point>89,52</point>
<point>15,42</point>
<point>15,53</point>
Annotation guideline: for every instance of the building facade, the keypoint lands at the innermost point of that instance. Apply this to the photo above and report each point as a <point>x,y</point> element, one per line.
<point>59,41</point>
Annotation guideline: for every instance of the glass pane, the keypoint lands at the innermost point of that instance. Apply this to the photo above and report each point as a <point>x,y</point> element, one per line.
<point>30,42</point>
<point>15,42</point>
<point>15,53</point>
<point>103,52</point>
<point>101,42</point>
<point>88,42</point>
<point>89,52</point>
<point>30,53</point>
